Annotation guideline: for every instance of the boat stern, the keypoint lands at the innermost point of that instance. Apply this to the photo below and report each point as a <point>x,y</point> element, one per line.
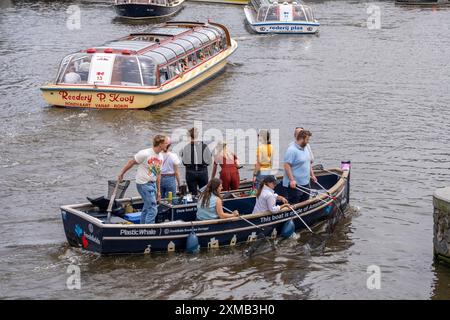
<point>92,97</point>
<point>290,28</point>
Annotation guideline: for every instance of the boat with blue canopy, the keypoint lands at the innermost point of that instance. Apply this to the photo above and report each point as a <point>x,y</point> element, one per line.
<point>267,16</point>
<point>89,226</point>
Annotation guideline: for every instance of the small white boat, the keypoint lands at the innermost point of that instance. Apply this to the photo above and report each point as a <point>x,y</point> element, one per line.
<point>267,16</point>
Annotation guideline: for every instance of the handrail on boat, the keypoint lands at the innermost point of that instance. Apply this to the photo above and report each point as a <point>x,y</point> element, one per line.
<point>342,180</point>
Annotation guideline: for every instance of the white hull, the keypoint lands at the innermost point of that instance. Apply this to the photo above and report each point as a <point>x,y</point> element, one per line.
<point>293,27</point>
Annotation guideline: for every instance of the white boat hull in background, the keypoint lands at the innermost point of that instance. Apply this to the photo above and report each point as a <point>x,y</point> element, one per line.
<point>294,27</point>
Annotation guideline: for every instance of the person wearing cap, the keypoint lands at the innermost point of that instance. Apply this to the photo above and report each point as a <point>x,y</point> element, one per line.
<point>170,173</point>
<point>266,198</point>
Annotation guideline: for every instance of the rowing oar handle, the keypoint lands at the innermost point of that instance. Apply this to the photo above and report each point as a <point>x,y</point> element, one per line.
<point>328,192</point>
<point>111,201</point>
<point>298,216</point>
<point>241,217</point>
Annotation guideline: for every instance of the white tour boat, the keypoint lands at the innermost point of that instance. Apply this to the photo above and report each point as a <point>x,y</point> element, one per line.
<point>266,16</point>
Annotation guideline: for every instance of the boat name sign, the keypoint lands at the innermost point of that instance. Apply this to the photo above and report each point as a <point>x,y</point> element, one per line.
<point>100,99</point>
<point>154,232</point>
<point>166,231</point>
<point>137,232</point>
<point>284,28</point>
<point>288,214</point>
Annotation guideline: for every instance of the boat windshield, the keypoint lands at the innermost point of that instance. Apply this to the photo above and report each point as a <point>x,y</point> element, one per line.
<point>107,69</point>
<point>284,12</point>
<point>74,69</point>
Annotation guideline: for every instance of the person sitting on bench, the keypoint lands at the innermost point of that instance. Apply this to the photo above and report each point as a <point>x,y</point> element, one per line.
<point>266,198</point>
<point>209,205</point>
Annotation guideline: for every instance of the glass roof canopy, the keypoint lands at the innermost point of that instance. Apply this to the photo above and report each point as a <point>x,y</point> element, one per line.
<point>268,10</point>
<point>167,51</point>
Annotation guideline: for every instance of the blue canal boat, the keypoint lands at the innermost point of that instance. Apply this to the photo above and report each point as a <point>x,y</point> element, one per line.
<point>176,228</point>
<point>142,9</point>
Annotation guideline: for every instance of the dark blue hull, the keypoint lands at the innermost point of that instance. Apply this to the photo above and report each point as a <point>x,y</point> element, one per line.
<point>88,232</point>
<point>140,11</point>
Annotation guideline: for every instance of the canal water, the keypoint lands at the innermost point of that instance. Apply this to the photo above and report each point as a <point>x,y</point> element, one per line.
<point>377,97</point>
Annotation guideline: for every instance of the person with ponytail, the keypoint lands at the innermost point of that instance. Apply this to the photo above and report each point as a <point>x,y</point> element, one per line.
<point>229,163</point>
<point>209,205</point>
<point>266,198</point>
<point>263,165</point>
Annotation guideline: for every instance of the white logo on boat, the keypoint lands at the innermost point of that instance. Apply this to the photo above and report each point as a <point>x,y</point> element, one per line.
<point>137,232</point>
<point>91,228</point>
<point>92,238</point>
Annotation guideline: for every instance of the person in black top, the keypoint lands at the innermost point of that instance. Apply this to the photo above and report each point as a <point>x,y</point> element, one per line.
<point>196,157</point>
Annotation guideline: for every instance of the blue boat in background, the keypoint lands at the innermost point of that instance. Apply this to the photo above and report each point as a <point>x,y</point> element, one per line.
<point>143,9</point>
<point>176,228</point>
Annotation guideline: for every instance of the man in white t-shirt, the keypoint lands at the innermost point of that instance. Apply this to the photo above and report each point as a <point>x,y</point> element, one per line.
<point>170,173</point>
<point>148,176</point>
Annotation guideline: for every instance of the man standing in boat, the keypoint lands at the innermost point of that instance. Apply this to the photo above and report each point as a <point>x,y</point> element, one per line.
<point>308,148</point>
<point>196,157</point>
<point>148,176</point>
<point>297,168</point>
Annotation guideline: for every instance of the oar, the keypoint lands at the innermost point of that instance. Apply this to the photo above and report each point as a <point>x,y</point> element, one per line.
<point>340,211</point>
<point>317,236</point>
<point>256,244</point>
<point>330,221</point>
<point>111,201</point>
<point>302,189</point>
<point>331,172</point>
<point>298,216</point>
<point>317,182</point>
